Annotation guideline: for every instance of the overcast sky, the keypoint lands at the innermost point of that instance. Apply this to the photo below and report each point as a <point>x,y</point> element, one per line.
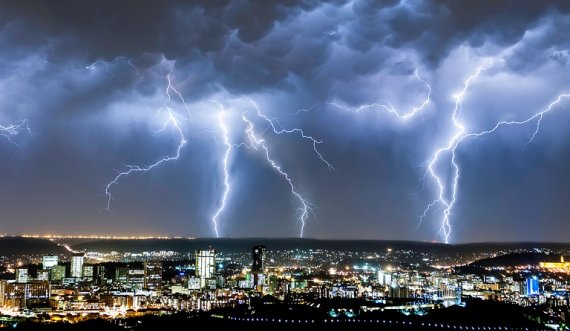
<point>92,81</point>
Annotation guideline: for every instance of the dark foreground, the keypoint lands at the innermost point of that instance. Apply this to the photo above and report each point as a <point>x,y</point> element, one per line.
<point>476,316</point>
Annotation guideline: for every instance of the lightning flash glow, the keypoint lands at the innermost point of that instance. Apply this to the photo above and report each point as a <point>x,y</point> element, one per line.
<point>442,159</point>
<point>225,170</point>
<point>447,193</point>
<point>273,125</point>
<point>171,121</point>
<point>11,130</point>
<point>107,64</point>
<point>388,107</point>
<point>256,142</point>
<point>442,199</point>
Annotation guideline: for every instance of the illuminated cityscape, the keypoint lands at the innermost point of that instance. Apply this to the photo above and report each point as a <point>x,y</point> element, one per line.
<point>413,285</point>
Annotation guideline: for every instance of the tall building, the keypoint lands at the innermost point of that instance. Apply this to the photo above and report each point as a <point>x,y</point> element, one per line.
<point>87,273</point>
<point>257,255</point>
<point>2,292</point>
<point>152,275</point>
<point>21,275</point>
<point>49,261</point>
<point>77,265</point>
<point>121,275</point>
<point>135,278</point>
<point>531,286</point>
<point>99,276</point>
<point>57,273</point>
<point>206,267</point>
<point>381,277</point>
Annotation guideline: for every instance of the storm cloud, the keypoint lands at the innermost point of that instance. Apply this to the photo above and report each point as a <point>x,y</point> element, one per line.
<point>91,78</point>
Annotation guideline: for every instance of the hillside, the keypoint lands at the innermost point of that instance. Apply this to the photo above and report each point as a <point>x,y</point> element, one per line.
<point>28,246</point>
<point>515,259</point>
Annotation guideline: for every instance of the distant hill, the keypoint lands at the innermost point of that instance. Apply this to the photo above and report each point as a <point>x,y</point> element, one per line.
<point>245,244</point>
<point>28,246</point>
<point>515,259</point>
<point>18,245</point>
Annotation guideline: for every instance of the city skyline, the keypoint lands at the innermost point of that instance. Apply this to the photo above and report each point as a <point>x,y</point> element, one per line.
<point>409,286</point>
<point>398,120</point>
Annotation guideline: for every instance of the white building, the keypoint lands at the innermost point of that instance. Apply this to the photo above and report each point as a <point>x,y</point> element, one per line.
<point>205,266</point>
<point>50,261</point>
<point>22,275</point>
<point>77,265</point>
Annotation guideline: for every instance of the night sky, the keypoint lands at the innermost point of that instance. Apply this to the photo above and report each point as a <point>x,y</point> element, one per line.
<point>91,80</point>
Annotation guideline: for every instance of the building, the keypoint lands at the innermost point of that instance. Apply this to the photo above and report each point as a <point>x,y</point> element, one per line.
<point>135,278</point>
<point>121,275</point>
<point>77,265</point>
<point>99,276</point>
<point>556,266</point>
<point>258,265</point>
<point>531,287</point>
<point>193,283</point>
<point>87,273</point>
<point>49,261</point>
<point>2,292</point>
<point>19,295</point>
<point>206,267</point>
<point>152,275</point>
<point>257,255</point>
<point>21,275</point>
<point>57,273</point>
<point>43,275</point>
<point>384,277</point>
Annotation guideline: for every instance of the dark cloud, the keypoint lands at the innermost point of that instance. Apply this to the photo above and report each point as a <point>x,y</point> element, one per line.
<point>259,44</point>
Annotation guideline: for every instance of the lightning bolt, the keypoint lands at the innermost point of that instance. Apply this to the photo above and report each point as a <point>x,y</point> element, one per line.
<point>537,116</point>
<point>273,123</point>
<point>14,129</point>
<point>455,142</point>
<point>304,110</point>
<point>225,170</point>
<point>442,200</point>
<point>257,143</point>
<point>173,121</point>
<point>254,141</point>
<point>94,65</point>
<point>389,107</point>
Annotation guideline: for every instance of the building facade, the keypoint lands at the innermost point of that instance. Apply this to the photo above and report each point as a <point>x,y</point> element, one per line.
<point>49,261</point>
<point>206,267</point>
<point>77,265</point>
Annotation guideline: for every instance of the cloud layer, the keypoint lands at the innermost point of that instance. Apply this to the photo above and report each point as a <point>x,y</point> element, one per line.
<point>90,78</point>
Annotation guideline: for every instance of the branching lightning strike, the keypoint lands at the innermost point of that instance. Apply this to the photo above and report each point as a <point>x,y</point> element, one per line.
<point>273,123</point>
<point>12,130</point>
<point>94,65</point>
<point>454,143</point>
<point>389,107</point>
<point>226,173</point>
<point>442,200</point>
<point>256,142</point>
<point>173,121</point>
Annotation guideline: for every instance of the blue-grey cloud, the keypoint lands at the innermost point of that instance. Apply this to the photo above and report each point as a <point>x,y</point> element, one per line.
<point>287,55</point>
